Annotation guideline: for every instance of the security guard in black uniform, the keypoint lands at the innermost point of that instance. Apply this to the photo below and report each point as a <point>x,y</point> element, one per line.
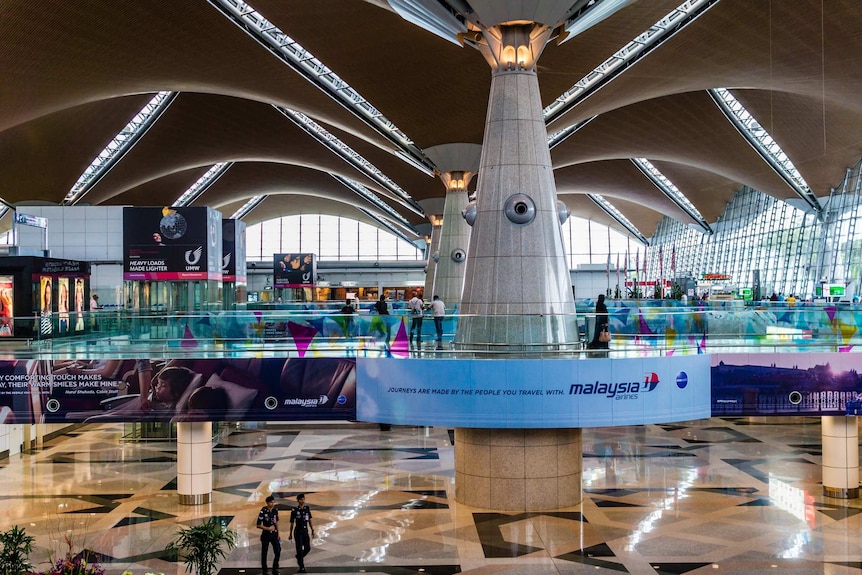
<point>300,522</point>
<point>267,522</point>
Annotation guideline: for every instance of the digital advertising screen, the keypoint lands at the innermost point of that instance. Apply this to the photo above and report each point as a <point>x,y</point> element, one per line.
<point>205,389</point>
<point>295,270</point>
<point>7,312</point>
<point>46,305</point>
<point>63,305</point>
<point>79,303</point>
<point>171,243</point>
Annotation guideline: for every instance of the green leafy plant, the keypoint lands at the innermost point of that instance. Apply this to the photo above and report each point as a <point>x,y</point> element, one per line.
<point>15,548</point>
<point>202,546</point>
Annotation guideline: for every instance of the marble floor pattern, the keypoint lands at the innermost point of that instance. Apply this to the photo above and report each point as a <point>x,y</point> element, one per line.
<point>719,496</point>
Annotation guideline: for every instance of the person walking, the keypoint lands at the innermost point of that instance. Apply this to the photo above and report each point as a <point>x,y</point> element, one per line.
<point>438,312</point>
<point>300,523</point>
<point>416,307</point>
<point>267,522</point>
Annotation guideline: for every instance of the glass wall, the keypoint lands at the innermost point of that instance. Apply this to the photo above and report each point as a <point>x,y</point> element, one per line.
<point>793,249</point>
<point>333,238</point>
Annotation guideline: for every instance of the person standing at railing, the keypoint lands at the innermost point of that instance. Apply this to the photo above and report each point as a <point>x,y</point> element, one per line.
<point>600,325</point>
<point>438,311</point>
<point>94,309</point>
<point>416,307</point>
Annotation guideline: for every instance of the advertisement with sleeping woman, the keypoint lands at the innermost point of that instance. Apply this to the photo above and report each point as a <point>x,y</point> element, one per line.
<point>171,390</point>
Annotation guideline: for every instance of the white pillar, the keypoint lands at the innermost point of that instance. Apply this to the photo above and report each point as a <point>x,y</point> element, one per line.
<point>840,438</point>
<point>194,462</point>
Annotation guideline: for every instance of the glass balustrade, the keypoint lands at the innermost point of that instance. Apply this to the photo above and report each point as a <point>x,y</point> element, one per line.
<point>638,327</point>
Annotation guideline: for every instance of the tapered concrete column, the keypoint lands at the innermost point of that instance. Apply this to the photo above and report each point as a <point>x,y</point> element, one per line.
<point>433,256</point>
<point>194,462</point>
<point>517,289</point>
<point>456,166</point>
<point>454,242</point>
<point>840,437</point>
<point>518,469</point>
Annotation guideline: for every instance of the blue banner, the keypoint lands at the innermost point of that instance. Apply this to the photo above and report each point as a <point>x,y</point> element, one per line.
<point>515,393</point>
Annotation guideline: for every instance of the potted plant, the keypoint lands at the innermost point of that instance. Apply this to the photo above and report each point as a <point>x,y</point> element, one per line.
<point>15,547</point>
<point>201,546</point>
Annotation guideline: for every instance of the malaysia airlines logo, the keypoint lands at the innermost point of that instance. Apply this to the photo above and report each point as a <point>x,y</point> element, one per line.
<point>617,390</point>
<point>194,256</point>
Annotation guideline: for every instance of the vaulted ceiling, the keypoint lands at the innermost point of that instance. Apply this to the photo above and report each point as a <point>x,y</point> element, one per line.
<point>75,73</point>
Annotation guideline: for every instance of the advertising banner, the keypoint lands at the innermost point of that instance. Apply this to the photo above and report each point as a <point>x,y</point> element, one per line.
<point>171,244</point>
<point>294,270</point>
<point>515,393</point>
<point>786,384</point>
<point>233,266</point>
<point>129,390</point>
<point>7,312</point>
<point>46,305</point>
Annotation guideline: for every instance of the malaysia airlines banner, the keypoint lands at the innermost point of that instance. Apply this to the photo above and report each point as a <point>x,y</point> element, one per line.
<point>786,384</point>
<point>546,393</point>
<point>172,244</point>
<point>130,390</point>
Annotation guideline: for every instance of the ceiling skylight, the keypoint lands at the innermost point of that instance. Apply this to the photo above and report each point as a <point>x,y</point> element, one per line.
<point>632,52</point>
<point>761,141</point>
<point>309,67</point>
<point>118,147</point>
<point>618,216</point>
<point>199,187</point>
<point>251,204</point>
<point>371,197</point>
<point>386,224</point>
<point>671,191</point>
<point>349,155</point>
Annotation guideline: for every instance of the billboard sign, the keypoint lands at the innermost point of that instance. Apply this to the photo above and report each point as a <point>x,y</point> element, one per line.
<point>233,264</point>
<point>516,393</point>
<point>130,390</point>
<point>294,270</point>
<point>171,244</point>
<point>760,384</point>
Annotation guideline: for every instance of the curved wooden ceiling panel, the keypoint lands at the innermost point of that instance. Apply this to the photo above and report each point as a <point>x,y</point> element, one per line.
<point>75,73</point>
<point>44,158</point>
<point>61,54</point>
<point>820,138</point>
<point>684,128</point>
<point>200,130</point>
<point>616,180</point>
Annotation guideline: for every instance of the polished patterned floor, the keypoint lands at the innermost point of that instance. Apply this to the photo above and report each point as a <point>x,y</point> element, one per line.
<point>719,496</point>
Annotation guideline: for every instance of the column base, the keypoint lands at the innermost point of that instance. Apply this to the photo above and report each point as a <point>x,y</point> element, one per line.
<point>841,492</point>
<point>518,469</point>
<point>196,499</point>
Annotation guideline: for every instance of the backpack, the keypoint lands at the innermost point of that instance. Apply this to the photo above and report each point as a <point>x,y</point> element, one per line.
<point>416,306</point>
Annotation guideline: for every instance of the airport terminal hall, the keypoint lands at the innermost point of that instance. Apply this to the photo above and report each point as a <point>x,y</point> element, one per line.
<point>397,287</point>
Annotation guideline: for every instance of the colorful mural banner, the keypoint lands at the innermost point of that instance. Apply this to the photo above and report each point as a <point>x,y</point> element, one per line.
<point>207,389</point>
<point>519,393</point>
<point>312,333</point>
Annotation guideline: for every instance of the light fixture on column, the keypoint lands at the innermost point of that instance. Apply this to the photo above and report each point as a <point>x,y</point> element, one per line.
<point>457,182</point>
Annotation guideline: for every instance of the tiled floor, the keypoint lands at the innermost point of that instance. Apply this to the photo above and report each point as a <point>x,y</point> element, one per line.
<point>720,496</point>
